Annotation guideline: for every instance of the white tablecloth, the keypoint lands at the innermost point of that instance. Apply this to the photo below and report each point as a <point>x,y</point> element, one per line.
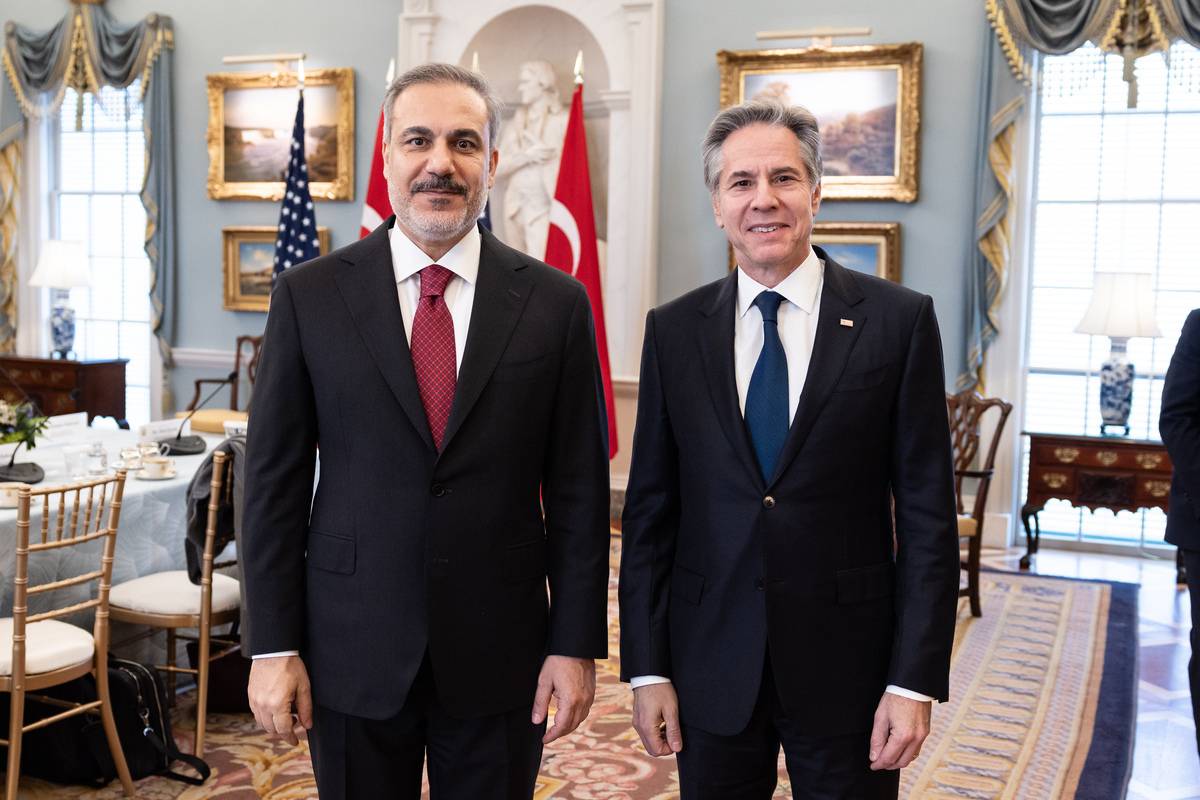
<point>150,535</point>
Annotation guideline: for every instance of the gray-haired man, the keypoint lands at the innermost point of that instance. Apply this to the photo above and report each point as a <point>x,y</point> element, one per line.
<point>779,412</point>
<point>453,385</point>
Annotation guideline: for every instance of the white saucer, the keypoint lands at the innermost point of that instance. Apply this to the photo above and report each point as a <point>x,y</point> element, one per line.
<point>142,476</point>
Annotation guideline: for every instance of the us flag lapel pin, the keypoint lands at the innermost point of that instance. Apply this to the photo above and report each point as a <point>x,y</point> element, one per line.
<point>847,323</point>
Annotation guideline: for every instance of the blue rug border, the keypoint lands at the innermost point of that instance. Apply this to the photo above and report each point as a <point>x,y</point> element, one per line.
<point>1109,764</point>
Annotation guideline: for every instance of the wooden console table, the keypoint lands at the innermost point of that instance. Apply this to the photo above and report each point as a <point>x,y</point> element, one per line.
<point>1094,472</point>
<point>62,386</point>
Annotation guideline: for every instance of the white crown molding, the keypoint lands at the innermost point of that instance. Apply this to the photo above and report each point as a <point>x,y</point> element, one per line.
<point>200,357</point>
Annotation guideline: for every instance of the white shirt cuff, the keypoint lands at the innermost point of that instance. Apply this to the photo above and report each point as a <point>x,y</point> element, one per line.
<point>909,694</point>
<point>276,655</point>
<point>647,680</point>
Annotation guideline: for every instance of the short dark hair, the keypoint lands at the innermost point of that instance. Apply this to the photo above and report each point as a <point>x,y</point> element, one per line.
<point>797,119</point>
<point>443,73</point>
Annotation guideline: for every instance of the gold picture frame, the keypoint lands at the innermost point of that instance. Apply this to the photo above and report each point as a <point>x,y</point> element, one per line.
<point>862,245</point>
<point>248,257</point>
<point>858,141</point>
<point>250,119</point>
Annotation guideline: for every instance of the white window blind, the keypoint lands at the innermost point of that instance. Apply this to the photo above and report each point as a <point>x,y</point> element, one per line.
<point>98,169</point>
<point>1116,189</point>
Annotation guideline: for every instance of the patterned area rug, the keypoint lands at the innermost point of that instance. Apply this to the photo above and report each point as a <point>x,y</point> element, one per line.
<point>1031,679</point>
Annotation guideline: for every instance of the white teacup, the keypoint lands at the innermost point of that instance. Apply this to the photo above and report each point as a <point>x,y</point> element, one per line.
<point>157,466</point>
<point>131,458</point>
<point>151,448</point>
<point>9,492</point>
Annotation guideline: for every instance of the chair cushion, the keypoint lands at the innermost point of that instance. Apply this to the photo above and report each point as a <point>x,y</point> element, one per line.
<point>172,593</point>
<point>212,420</point>
<point>49,645</point>
<point>967,526</point>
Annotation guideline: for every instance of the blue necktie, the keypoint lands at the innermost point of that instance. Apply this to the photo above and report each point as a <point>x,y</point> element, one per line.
<point>767,398</point>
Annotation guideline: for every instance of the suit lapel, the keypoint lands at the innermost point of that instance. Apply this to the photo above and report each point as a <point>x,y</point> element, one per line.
<point>368,288</point>
<point>831,349</point>
<point>501,292</point>
<point>716,350</point>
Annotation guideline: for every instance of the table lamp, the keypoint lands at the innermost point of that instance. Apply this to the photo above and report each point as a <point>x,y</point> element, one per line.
<point>61,266</point>
<point>1122,307</point>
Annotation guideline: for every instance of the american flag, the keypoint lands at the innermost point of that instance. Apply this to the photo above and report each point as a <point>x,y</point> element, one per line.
<point>296,239</point>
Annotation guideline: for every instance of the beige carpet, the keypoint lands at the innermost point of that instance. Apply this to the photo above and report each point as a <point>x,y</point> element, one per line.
<point>1026,683</point>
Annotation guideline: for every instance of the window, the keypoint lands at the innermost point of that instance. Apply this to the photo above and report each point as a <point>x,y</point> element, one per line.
<point>98,167</point>
<point>1115,189</point>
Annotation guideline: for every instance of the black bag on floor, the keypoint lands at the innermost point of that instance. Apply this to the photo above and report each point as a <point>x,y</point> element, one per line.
<point>75,751</point>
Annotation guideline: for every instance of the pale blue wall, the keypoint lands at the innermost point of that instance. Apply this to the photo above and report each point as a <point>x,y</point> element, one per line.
<point>362,34</point>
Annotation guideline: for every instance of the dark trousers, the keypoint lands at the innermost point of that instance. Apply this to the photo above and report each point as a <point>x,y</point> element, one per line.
<point>1191,563</point>
<point>484,758</point>
<point>745,766</point>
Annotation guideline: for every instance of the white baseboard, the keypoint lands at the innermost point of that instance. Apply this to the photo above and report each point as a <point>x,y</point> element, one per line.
<point>199,357</point>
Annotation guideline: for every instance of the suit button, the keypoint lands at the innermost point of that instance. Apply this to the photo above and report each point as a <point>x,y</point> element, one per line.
<point>758,584</point>
<point>437,490</point>
<point>768,502</point>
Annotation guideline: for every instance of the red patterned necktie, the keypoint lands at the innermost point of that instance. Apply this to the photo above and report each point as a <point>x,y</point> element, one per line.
<point>432,349</point>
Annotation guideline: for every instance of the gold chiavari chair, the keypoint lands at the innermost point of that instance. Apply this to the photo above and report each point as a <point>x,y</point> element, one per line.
<point>169,600</point>
<point>40,650</point>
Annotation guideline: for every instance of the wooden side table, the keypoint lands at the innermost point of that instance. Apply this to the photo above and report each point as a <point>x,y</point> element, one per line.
<point>1094,472</point>
<point>64,386</point>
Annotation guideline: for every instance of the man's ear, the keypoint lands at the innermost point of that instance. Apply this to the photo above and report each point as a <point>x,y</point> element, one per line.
<point>494,162</point>
<point>816,199</point>
<point>716,204</point>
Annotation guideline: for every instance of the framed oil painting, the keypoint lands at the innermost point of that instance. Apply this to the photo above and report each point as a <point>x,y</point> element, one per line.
<point>248,263</point>
<point>867,101</point>
<point>870,247</point>
<point>250,119</point>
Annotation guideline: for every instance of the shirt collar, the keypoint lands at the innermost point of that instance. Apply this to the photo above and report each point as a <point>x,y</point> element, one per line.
<point>799,288</point>
<point>462,259</point>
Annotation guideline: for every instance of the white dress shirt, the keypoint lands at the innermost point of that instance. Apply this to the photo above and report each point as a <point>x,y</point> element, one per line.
<point>407,262</point>
<point>797,319</point>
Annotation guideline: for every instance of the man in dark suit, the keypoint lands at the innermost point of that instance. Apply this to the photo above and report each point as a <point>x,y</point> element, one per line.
<point>780,411</point>
<point>453,387</point>
<point>1179,424</point>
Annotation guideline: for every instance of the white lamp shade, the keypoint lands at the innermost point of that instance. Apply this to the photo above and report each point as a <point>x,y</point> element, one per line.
<point>1122,306</point>
<point>61,265</point>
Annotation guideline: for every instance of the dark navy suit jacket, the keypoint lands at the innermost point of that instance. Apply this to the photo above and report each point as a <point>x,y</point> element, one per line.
<point>717,563</point>
<point>1179,424</point>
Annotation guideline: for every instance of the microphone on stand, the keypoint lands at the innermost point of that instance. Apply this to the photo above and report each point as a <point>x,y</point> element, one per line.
<point>180,445</point>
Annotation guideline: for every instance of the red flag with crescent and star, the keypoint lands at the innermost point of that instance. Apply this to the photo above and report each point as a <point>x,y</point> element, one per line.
<point>571,243</point>
<point>376,206</point>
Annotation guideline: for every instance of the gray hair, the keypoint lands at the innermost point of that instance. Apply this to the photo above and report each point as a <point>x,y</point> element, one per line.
<point>797,119</point>
<point>443,73</point>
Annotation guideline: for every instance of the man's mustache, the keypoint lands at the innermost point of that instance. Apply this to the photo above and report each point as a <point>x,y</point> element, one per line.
<point>439,185</point>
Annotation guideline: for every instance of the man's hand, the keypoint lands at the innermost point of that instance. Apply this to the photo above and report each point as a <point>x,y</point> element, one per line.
<point>901,725</point>
<point>278,684</point>
<point>572,681</point>
<point>656,718</point>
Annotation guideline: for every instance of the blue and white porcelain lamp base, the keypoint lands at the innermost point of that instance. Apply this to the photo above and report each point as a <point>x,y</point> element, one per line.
<point>62,328</point>
<point>1116,389</point>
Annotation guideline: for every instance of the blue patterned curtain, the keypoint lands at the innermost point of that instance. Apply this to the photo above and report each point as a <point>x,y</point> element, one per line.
<point>89,49</point>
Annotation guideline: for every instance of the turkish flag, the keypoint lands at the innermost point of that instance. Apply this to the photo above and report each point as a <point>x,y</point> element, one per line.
<point>571,243</point>
<point>376,206</point>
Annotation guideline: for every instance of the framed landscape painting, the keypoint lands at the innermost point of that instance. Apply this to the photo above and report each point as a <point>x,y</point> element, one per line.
<point>249,261</point>
<point>250,119</point>
<point>867,101</point>
<point>870,247</point>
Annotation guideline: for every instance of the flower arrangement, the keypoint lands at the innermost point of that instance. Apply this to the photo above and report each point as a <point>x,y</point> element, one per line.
<point>20,423</point>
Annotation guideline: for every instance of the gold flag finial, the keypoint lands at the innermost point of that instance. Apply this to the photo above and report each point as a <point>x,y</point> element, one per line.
<point>475,63</point>
<point>579,67</point>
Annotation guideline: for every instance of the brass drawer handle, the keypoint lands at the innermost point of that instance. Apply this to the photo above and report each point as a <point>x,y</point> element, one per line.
<point>1055,480</point>
<point>1158,488</point>
<point>1149,460</point>
<point>1107,457</point>
<point>1067,455</point>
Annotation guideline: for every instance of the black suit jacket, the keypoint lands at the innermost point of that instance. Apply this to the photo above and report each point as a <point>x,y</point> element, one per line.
<point>407,549</point>
<point>1179,425</point>
<point>717,563</point>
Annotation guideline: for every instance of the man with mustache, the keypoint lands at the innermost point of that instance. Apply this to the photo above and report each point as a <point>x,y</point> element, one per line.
<point>401,614</point>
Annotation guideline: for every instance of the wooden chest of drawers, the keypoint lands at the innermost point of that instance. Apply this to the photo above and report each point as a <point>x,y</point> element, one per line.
<point>60,386</point>
<point>1093,472</point>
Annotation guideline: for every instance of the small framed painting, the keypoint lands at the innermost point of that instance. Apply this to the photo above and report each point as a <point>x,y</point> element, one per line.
<point>867,101</point>
<point>248,264</point>
<point>870,247</point>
